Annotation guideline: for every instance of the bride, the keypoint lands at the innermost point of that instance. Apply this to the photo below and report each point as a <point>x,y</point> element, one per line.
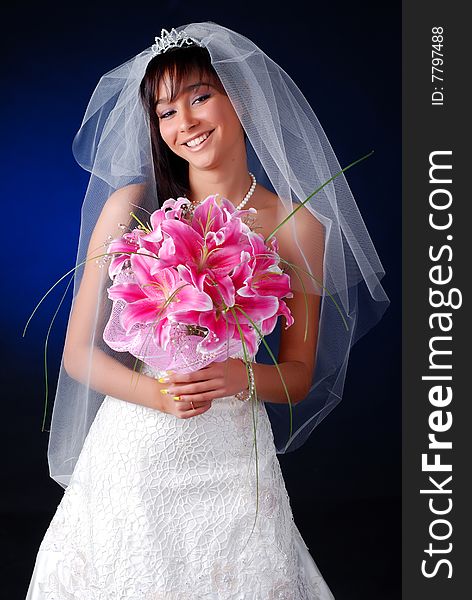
<point>172,485</point>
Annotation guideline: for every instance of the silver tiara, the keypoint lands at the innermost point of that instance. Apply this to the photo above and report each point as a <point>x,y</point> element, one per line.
<point>172,39</point>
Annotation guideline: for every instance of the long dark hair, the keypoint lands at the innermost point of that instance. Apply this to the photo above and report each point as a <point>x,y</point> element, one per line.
<point>170,170</point>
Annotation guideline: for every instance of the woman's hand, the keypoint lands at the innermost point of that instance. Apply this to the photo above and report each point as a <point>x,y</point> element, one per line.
<point>216,380</point>
<point>182,410</point>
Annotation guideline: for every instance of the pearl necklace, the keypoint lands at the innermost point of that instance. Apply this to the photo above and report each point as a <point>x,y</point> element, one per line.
<point>245,199</point>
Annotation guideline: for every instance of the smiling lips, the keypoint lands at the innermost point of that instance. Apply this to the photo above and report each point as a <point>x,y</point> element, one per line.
<point>195,142</point>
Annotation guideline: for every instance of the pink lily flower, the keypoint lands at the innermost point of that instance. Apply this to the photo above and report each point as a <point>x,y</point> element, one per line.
<point>209,243</point>
<point>128,243</point>
<point>151,299</point>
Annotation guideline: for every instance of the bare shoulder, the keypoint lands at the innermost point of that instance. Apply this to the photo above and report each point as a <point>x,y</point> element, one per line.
<point>115,213</point>
<point>122,201</point>
<point>268,206</point>
<point>271,212</point>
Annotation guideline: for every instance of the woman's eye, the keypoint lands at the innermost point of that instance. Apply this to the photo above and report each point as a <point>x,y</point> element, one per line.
<point>166,114</point>
<point>204,97</point>
<point>169,112</point>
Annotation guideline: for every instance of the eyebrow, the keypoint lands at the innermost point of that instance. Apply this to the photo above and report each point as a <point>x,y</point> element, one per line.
<point>186,89</point>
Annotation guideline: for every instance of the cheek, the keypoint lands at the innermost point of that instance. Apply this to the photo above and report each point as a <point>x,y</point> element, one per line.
<point>167,132</point>
<point>229,119</point>
<point>234,131</point>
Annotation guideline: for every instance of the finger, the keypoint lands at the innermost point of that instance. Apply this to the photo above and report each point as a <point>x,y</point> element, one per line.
<point>205,397</point>
<point>178,377</point>
<point>176,393</point>
<point>194,388</point>
<point>187,414</point>
<point>196,405</point>
<point>182,378</point>
<point>202,374</point>
<point>186,403</point>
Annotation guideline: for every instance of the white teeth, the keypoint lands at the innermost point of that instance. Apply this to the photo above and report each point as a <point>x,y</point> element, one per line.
<point>197,140</point>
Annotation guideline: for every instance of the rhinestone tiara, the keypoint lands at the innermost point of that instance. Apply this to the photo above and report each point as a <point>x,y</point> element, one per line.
<point>172,39</point>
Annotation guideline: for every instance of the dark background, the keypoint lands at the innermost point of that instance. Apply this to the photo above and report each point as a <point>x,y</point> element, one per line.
<point>345,482</point>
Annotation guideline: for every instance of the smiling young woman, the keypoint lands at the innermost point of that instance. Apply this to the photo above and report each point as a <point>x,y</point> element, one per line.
<point>185,99</point>
<point>201,126</point>
<point>173,487</point>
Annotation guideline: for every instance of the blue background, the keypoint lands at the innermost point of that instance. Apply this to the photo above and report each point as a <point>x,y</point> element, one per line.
<point>345,482</point>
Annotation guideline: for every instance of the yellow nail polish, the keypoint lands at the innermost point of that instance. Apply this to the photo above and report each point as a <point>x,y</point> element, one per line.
<point>163,380</point>
<point>176,397</point>
<point>163,391</point>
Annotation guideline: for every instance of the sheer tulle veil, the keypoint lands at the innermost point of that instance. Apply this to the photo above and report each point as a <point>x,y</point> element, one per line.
<point>290,154</point>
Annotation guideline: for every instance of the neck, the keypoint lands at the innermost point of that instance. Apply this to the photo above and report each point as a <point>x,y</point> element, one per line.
<point>232,184</point>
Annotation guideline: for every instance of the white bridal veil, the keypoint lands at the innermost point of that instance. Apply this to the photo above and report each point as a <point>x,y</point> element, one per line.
<point>289,153</point>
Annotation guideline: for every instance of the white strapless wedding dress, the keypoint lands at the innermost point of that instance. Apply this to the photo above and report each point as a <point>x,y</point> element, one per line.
<point>162,508</point>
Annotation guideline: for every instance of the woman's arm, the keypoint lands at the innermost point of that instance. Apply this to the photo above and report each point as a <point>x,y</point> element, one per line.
<point>296,357</point>
<point>83,360</point>
<point>269,385</point>
<point>108,376</point>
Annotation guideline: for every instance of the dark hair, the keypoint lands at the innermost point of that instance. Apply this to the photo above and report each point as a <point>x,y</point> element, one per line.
<point>170,170</point>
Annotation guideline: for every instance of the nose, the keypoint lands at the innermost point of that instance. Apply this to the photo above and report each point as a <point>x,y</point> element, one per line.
<point>187,120</point>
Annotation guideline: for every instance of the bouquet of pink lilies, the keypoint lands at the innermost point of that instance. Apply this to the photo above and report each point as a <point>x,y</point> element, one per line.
<point>192,287</point>
<point>223,285</point>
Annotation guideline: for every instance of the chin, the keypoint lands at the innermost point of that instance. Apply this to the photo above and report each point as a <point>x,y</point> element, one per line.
<point>203,165</point>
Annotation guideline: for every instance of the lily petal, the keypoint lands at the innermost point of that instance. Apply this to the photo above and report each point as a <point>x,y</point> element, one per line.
<point>129,292</point>
<point>141,311</point>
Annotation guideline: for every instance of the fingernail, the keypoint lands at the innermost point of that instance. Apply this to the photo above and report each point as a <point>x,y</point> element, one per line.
<point>163,380</point>
<point>163,391</point>
<point>176,397</point>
